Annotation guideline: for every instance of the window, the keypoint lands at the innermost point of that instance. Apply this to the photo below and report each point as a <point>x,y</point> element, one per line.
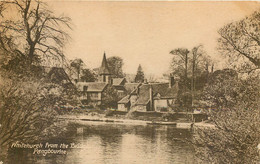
<point>93,95</point>
<point>85,88</point>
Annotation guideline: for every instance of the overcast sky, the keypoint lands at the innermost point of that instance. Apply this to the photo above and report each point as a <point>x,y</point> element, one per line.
<point>145,32</point>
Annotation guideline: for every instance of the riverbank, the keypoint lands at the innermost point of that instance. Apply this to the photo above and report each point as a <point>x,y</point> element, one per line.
<point>98,119</point>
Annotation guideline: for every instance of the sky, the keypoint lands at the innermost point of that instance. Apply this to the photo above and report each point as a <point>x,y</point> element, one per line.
<point>145,32</point>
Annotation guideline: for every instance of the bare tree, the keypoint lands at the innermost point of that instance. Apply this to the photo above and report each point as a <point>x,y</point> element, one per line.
<point>240,42</point>
<point>36,32</point>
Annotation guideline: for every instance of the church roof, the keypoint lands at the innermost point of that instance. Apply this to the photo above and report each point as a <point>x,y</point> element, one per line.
<point>104,70</point>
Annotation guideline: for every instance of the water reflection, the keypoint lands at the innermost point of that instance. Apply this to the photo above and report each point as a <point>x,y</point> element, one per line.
<point>117,144</point>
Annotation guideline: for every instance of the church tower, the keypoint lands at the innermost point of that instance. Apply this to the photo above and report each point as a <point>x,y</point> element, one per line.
<point>104,73</point>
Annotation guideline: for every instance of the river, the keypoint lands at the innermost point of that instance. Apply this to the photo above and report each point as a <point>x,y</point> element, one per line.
<point>109,143</point>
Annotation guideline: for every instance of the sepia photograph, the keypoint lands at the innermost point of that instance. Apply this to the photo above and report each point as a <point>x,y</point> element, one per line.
<point>129,82</point>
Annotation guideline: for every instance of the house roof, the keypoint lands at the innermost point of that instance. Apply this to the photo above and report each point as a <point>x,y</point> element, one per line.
<point>57,75</point>
<point>104,70</point>
<point>119,87</point>
<point>118,81</point>
<point>92,86</point>
<point>130,87</point>
<point>161,89</point>
<point>124,100</point>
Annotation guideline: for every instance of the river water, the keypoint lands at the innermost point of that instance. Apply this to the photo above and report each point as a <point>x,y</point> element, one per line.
<point>108,143</point>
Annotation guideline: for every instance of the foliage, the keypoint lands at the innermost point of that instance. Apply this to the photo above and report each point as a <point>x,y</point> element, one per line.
<point>234,98</point>
<point>110,97</point>
<point>222,89</point>
<point>115,65</point>
<point>25,109</point>
<point>77,65</point>
<point>139,78</point>
<point>87,76</point>
<point>192,67</point>
<point>180,62</point>
<point>235,138</point>
<point>27,93</point>
<point>236,118</point>
<point>240,43</point>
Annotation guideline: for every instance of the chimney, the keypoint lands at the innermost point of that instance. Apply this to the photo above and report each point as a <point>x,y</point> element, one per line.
<point>151,97</point>
<point>171,80</point>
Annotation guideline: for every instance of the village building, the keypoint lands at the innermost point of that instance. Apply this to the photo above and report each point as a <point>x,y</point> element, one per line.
<point>159,97</point>
<point>92,93</point>
<point>58,75</point>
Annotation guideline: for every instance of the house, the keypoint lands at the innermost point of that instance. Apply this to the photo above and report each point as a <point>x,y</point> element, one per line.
<point>91,93</point>
<point>125,103</point>
<point>58,75</point>
<point>159,97</point>
<point>118,84</point>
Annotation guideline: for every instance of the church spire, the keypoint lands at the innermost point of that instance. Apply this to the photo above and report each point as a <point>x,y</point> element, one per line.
<point>104,70</point>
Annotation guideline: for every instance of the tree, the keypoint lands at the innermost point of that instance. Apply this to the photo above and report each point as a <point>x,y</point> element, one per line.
<point>240,42</point>
<point>181,60</point>
<point>236,134</point>
<point>179,66</point>
<point>77,64</point>
<point>139,78</point>
<point>25,110</point>
<point>236,100</point>
<point>36,32</point>
<point>222,89</point>
<point>110,97</point>
<point>115,65</point>
<point>27,97</point>
<point>87,76</point>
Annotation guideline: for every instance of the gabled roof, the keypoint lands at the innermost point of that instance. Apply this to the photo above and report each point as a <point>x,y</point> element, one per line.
<point>164,90</point>
<point>124,100</point>
<point>119,87</point>
<point>104,70</point>
<point>92,86</point>
<point>161,89</point>
<point>58,75</point>
<point>118,81</point>
<point>130,87</point>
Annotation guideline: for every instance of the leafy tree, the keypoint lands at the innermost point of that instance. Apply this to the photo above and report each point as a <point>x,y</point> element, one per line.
<point>236,100</point>
<point>87,76</point>
<point>236,134</point>
<point>139,78</point>
<point>180,61</point>
<point>110,97</point>
<point>115,65</point>
<point>77,65</point>
<point>221,90</point>
<point>240,42</point>
<point>25,109</point>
